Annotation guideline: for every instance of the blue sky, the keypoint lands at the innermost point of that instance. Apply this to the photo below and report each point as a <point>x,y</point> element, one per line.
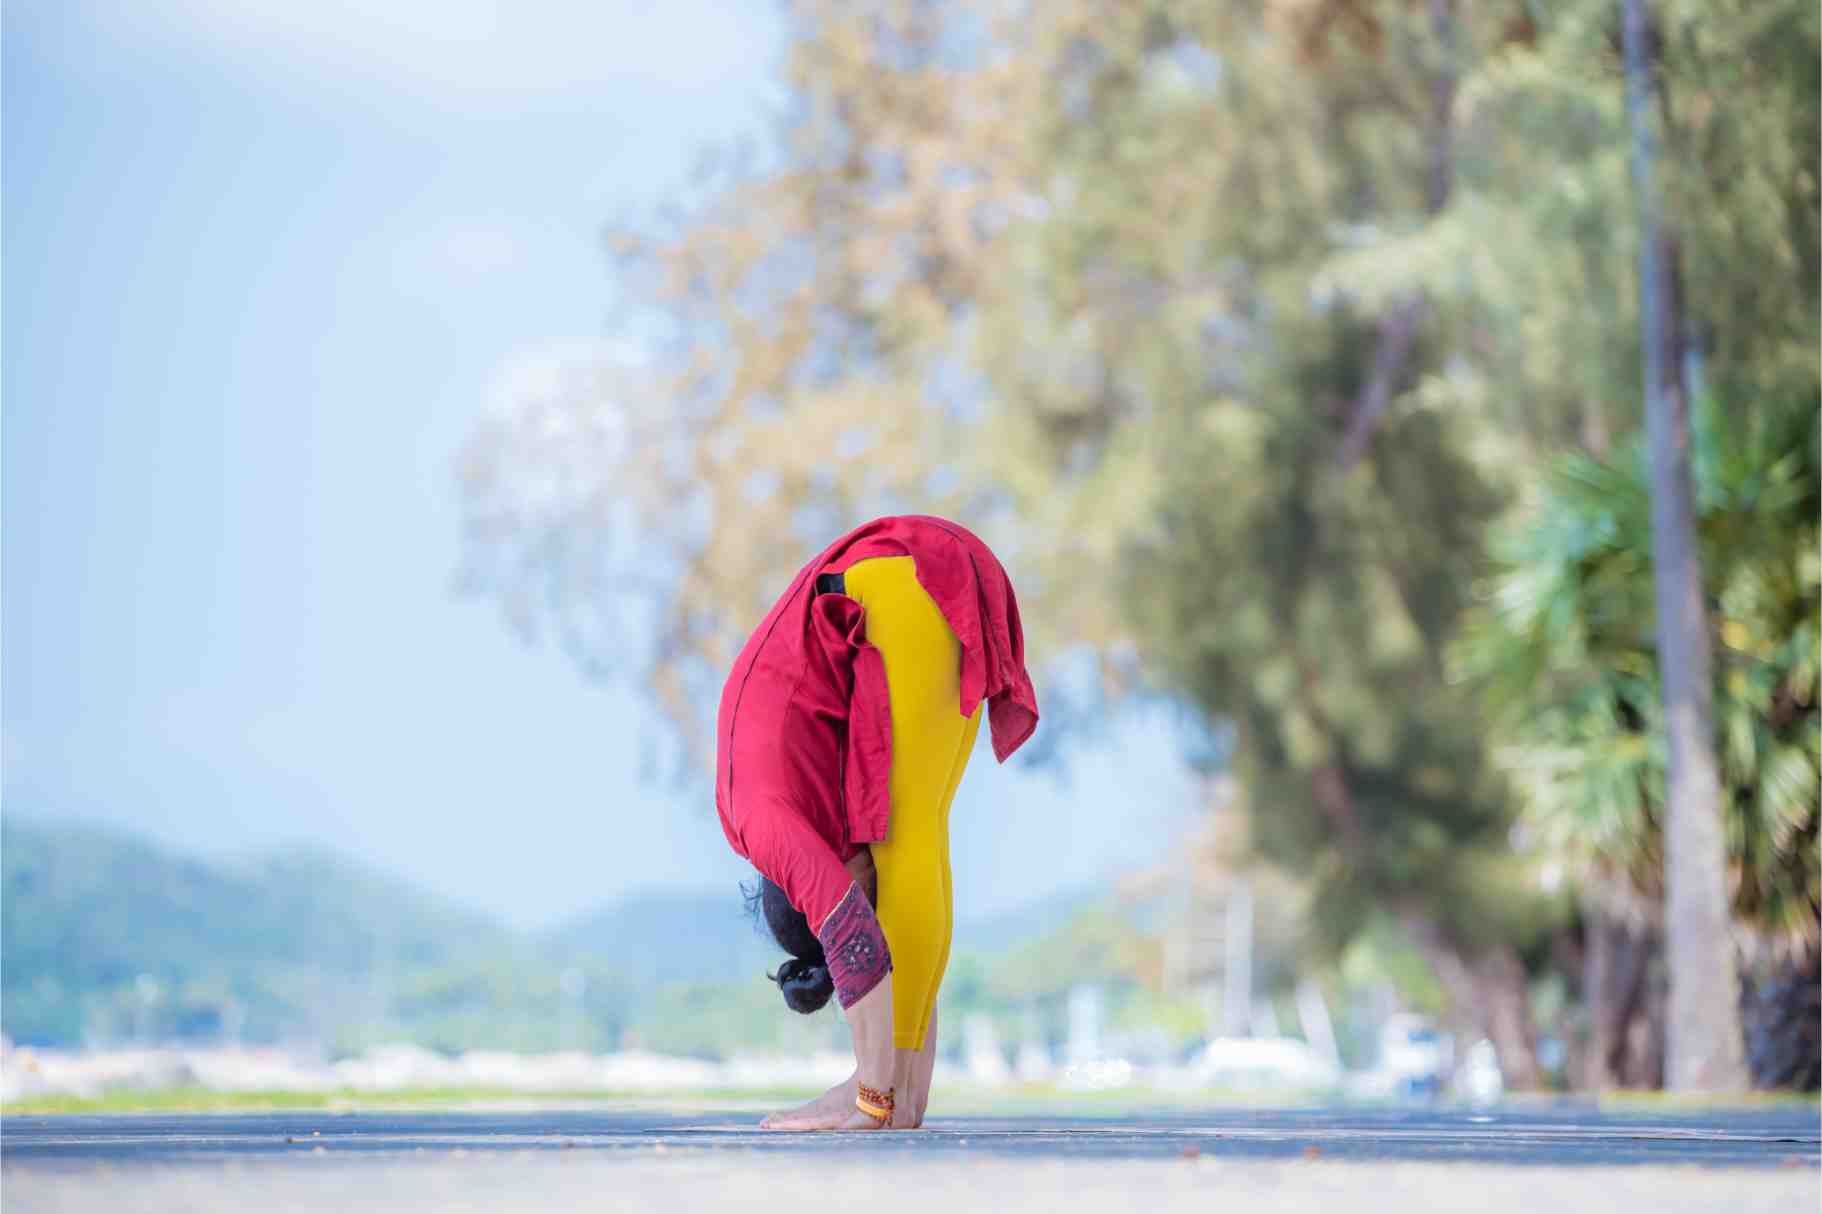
<point>265,264</point>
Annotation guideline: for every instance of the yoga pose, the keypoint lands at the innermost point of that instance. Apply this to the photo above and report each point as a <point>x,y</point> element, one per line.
<point>843,731</point>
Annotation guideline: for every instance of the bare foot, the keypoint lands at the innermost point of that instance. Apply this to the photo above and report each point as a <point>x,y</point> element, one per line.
<point>857,1120</point>
<point>827,1112</point>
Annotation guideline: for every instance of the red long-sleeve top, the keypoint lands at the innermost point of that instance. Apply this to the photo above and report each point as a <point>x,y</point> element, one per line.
<point>804,736</point>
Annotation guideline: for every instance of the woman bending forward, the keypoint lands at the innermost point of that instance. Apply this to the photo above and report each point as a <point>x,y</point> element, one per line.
<point>844,728</point>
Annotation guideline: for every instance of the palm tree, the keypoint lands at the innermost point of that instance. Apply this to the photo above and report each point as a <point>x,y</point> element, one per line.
<point>1704,1045</point>
<point>1565,649</point>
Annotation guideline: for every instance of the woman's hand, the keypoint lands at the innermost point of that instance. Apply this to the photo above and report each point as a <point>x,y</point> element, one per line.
<point>860,867</point>
<point>870,1020</point>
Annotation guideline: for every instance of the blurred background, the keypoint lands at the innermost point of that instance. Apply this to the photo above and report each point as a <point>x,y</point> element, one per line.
<point>409,408</point>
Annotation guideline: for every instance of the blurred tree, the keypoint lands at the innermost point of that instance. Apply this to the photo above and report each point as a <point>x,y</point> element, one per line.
<point>1735,98</point>
<point>1271,471</point>
<point>1111,224</point>
<point>1703,1046</point>
<point>1566,652</point>
<point>1235,327</point>
<point>803,310</point>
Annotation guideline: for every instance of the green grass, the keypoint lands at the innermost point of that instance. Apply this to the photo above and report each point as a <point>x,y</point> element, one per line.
<point>1641,1101</point>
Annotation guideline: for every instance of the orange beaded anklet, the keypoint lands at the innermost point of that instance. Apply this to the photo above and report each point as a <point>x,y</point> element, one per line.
<point>875,1103</point>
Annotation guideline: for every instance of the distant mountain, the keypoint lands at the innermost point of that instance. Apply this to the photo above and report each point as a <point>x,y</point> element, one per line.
<point>105,936</point>
<point>664,936</point>
<point>661,936</point>
<point>1001,930</point>
<point>94,922</point>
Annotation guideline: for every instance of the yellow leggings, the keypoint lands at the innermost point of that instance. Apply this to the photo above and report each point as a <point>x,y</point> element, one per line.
<point>931,742</point>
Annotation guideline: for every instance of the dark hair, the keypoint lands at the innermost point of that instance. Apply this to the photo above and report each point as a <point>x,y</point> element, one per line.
<point>805,978</point>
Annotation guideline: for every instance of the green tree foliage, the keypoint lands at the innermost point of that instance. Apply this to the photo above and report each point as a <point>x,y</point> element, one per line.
<point>1239,328</point>
<point>1566,652</point>
<point>1312,515</point>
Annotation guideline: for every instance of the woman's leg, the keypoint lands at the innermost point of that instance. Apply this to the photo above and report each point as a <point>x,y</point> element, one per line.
<point>949,790</point>
<point>923,1065</point>
<point>931,742</point>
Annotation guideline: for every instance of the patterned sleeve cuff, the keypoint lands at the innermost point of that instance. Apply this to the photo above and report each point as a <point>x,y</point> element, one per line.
<point>854,946</point>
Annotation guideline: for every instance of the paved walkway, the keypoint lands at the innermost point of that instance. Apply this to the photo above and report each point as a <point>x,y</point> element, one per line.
<point>1537,1161</point>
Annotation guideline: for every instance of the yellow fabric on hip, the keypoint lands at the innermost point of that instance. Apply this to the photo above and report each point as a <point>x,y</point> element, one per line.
<point>931,742</point>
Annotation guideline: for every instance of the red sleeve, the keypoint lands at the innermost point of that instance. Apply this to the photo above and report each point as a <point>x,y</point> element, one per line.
<point>861,671</point>
<point>1013,705</point>
<point>786,849</point>
<point>867,782</point>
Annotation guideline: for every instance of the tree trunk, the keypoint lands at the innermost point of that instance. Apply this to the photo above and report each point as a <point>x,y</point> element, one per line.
<point>1782,1009</point>
<point>1646,1037</point>
<point>1502,989</point>
<point>1399,327</point>
<point>1488,994</point>
<point>1620,988</point>
<point>1704,1044</point>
